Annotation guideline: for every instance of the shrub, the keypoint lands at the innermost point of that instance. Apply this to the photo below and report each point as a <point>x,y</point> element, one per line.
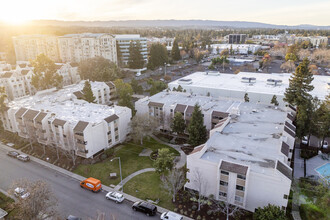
<point>199,217</point>
<point>175,209</point>
<point>194,207</point>
<point>310,212</point>
<point>109,152</point>
<point>103,156</point>
<point>209,212</point>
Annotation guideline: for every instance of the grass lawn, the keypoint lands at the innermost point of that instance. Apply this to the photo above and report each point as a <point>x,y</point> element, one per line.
<point>6,203</point>
<point>130,162</point>
<point>148,186</point>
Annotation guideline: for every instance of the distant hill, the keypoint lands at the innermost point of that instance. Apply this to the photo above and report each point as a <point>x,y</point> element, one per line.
<point>177,24</point>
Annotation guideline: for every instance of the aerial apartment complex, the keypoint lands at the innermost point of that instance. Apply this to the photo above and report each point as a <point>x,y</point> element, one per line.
<point>124,41</point>
<point>60,119</point>
<point>246,160</point>
<point>260,87</point>
<point>78,47</point>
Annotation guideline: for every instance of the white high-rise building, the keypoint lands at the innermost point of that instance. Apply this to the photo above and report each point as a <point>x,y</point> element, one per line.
<point>78,47</point>
<point>28,47</point>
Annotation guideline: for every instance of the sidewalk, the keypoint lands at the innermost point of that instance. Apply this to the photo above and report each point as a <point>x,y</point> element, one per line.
<point>120,185</point>
<point>80,178</point>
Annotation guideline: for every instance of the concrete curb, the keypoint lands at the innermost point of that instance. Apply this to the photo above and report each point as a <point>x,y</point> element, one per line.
<point>80,178</point>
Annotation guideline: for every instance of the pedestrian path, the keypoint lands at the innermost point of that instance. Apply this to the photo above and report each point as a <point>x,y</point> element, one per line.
<point>183,156</point>
<point>120,185</point>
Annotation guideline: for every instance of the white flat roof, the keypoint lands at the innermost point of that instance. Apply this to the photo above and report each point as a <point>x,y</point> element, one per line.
<point>206,103</point>
<point>66,106</point>
<point>233,82</point>
<point>252,139</point>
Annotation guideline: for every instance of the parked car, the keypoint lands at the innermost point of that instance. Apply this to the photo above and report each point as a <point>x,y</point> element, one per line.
<point>325,144</point>
<point>91,184</point>
<point>72,217</point>
<point>117,197</point>
<point>304,140</point>
<point>171,216</point>
<point>20,192</point>
<point>23,157</point>
<point>13,154</point>
<point>145,207</point>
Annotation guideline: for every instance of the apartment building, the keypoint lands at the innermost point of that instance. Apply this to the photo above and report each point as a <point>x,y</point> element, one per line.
<point>260,87</point>
<point>124,41</point>
<point>237,38</point>
<point>164,105</point>
<point>28,47</point>
<point>60,119</point>
<point>69,72</point>
<point>78,47</point>
<point>236,48</point>
<point>246,161</point>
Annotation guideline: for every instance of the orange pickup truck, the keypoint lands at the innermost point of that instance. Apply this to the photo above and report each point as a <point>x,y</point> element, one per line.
<point>91,184</point>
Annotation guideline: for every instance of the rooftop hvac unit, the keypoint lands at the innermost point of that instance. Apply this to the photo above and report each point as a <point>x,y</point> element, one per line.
<point>250,80</point>
<point>274,82</point>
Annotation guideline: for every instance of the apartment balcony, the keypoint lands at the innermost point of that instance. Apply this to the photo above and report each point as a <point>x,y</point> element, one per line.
<point>240,182</point>
<point>239,193</point>
<point>79,137</point>
<point>223,188</point>
<point>224,177</point>
<point>82,153</point>
<point>238,203</point>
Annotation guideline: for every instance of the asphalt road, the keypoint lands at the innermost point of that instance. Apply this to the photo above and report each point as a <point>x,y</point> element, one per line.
<point>71,198</point>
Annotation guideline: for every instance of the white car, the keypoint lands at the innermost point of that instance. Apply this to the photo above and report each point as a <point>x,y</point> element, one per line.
<point>117,197</point>
<point>305,140</point>
<point>171,216</point>
<point>20,192</point>
<point>325,144</point>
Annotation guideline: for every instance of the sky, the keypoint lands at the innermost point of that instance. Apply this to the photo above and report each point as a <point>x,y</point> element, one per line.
<point>283,12</point>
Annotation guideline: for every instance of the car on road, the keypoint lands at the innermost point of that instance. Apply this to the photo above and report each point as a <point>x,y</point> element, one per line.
<point>171,216</point>
<point>117,197</point>
<point>23,157</point>
<point>145,207</point>
<point>20,192</point>
<point>325,144</point>
<point>91,184</point>
<point>72,217</point>
<point>13,154</point>
<point>304,140</point>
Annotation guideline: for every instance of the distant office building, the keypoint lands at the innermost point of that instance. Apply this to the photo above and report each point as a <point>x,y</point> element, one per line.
<point>3,56</point>
<point>237,38</point>
<point>78,47</point>
<point>236,48</point>
<point>28,47</point>
<point>124,42</point>
<point>60,119</point>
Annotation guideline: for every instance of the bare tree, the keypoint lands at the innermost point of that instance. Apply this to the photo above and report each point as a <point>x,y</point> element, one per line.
<point>173,182</point>
<point>226,208</point>
<point>200,185</point>
<point>71,150</point>
<point>288,66</point>
<point>142,126</point>
<point>40,202</point>
<point>302,54</point>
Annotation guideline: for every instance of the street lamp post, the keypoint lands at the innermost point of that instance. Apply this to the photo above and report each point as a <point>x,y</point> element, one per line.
<point>165,68</point>
<point>121,178</point>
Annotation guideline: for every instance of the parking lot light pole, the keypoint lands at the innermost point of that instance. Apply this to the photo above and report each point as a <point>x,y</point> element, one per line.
<point>121,178</point>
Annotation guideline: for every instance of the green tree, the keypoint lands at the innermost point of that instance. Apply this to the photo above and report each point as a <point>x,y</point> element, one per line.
<point>269,212</point>
<point>156,86</point>
<point>3,105</point>
<point>291,56</point>
<point>137,89</point>
<point>179,89</point>
<point>135,59</point>
<point>299,85</point>
<point>158,56</point>
<point>98,69</point>
<point>124,92</point>
<point>223,61</point>
<point>178,124</point>
<point>175,53</point>
<point>88,93</point>
<point>119,55</point>
<point>164,160</point>
<point>45,75</point>
<point>246,97</point>
<point>323,120</point>
<point>196,128</point>
<point>274,100</point>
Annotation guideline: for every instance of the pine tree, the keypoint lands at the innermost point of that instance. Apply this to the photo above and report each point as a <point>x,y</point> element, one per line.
<point>274,100</point>
<point>323,119</point>
<point>299,85</point>
<point>88,93</point>
<point>135,60</point>
<point>178,124</point>
<point>3,97</point>
<point>158,56</point>
<point>175,53</point>
<point>246,98</point>
<point>196,128</point>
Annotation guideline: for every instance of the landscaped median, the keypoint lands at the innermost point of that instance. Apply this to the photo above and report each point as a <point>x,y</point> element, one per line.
<point>7,204</point>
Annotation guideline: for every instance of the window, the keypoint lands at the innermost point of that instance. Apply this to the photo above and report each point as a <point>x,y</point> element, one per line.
<point>224,172</point>
<point>285,196</point>
<point>238,199</point>
<point>116,129</point>
<point>240,187</point>
<point>223,183</point>
<point>116,137</point>
<point>223,194</point>
<point>241,176</point>
<point>171,110</point>
<point>161,109</point>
